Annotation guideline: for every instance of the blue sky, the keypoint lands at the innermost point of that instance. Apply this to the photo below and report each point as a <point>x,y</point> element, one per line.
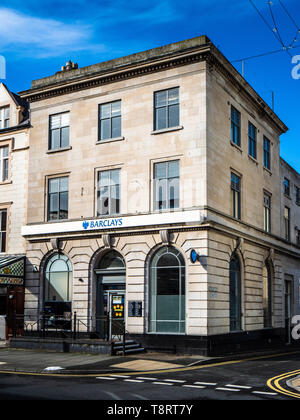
<point>37,38</point>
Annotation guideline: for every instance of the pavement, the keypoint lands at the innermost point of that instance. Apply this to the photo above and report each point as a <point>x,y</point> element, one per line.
<point>19,360</point>
<point>294,383</point>
<point>37,361</point>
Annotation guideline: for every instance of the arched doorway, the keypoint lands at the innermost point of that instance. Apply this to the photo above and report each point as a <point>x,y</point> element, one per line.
<point>235,291</point>
<point>111,290</point>
<point>167,292</point>
<point>267,295</point>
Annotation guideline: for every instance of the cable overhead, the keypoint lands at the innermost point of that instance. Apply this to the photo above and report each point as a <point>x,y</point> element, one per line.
<point>294,23</point>
<point>265,21</point>
<point>276,30</point>
<point>258,55</point>
<point>262,54</point>
<point>289,15</point>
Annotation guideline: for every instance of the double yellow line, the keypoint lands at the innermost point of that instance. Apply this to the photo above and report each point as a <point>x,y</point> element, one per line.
<point>274,383</point>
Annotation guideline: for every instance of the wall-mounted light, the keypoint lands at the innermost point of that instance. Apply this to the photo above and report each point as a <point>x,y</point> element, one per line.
<point>35,269</point>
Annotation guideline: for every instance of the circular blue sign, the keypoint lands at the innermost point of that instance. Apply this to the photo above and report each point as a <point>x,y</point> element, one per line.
<point>193,256</point>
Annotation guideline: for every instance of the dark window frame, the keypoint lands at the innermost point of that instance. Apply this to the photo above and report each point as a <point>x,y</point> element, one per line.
<point>111,118</point>
<point>168,199</point>
<point>267,213</point>
<point>287,224</point>
<point>3,229</point>
<point>287,187</point>
<point>167,107</point>
<point>60,132</point>
<point>298,237</point>
<point>252,138</point>
<point>110,212</point>
<point>236,191</point>
<point>235,126</point>
<point>267,153</point>
<point>297,194</point>
<point>59,193</point>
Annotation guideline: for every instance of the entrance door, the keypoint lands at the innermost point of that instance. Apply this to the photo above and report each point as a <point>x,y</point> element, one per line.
<point>111,285</point>
<point>15,310</point>
<point>288,310</point>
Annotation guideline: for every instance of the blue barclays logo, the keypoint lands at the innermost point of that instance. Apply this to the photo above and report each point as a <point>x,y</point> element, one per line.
<point>85,225</point>
<point>102,224</point>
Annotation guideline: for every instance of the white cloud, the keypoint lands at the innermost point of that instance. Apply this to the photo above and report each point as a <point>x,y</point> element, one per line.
<point>42,37</point>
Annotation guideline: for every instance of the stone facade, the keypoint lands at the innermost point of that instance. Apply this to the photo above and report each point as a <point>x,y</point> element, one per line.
<point>13,191</point>
<point>208,87</point>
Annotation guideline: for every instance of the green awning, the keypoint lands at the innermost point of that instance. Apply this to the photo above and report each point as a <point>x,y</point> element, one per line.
<point>12,270</point>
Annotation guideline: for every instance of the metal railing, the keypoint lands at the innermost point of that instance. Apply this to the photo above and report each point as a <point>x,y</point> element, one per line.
<point>73,327</point>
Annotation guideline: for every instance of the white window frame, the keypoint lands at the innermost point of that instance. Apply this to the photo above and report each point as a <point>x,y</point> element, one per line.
<point>3,120</point>
<point>4,163</point>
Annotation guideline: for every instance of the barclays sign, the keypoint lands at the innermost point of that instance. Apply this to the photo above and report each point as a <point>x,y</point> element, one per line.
<point>158,219</point>
<point>102,224</point>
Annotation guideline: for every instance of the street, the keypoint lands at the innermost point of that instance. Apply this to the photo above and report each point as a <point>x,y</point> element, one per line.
<point>234,380</point>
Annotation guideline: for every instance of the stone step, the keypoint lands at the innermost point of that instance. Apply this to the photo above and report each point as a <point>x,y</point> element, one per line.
<point>131,351</point>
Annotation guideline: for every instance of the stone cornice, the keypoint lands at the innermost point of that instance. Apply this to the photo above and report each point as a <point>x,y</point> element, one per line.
<point>35,95</point>
<point>207,52</point>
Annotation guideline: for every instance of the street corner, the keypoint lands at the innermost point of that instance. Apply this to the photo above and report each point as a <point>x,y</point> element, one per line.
<point>287,384</point>
<point>294,383</point>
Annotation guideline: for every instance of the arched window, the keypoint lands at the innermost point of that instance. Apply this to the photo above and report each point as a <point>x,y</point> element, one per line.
<point>58,285</point>
<point>112,261</point>
<point>235,290</point>
<point>167,292</point>
<point>267,295</point>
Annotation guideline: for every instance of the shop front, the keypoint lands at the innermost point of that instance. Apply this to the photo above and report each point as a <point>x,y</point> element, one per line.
<point>182,288</point>
<point>12,282</point>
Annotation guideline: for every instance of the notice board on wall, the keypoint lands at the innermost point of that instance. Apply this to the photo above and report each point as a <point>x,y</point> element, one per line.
<point>135,308</point>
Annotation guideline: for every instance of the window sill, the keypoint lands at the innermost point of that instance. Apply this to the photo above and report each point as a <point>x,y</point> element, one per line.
<point>5,182</point>
<point>236,146</point>
<point>110,140</point>
<point>167,130</point>
<point>287,196</point>
<point>154,211</point>
<point>63,149</point>
<point>268,170</point>
<point>253,159</point>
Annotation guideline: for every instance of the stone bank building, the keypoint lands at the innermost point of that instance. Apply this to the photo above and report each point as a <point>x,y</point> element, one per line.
<point>156,194</point>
